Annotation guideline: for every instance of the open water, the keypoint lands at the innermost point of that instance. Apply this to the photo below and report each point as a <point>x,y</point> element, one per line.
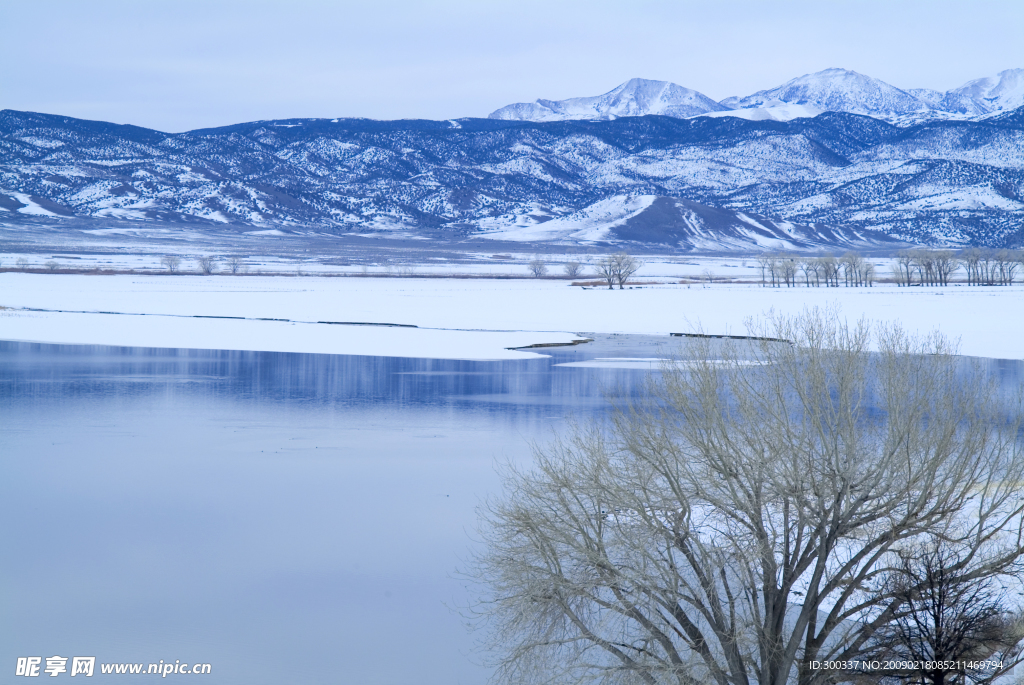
<point>285,518</point>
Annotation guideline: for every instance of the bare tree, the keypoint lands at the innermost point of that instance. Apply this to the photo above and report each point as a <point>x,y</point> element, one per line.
<point>945,264</point>
<point>830,270</point>
<point>172,262</point>
<point>235,264</point>
<point>971,259</point>
<point>618,269</point>
<point>52,265</point>
<point>924,260</point>
<point>572,269</point>
<point>708,276</point>
<point>868,274</point>
<point>987,267</point>
<point>1007,262</point>
<point>537,268</point>
<point>952,614</point>
<point>22,263</point>
<point>625,266</point>
<point>207,265</point>
<point>811,267</point>
<point>728,528</point>
<point>775,270</point>
<point>607,269</point>
<point>905,267</point>
<point>764,264</point>
<point>933,267</point>
<point>787,268</point>
<point>853,269</point>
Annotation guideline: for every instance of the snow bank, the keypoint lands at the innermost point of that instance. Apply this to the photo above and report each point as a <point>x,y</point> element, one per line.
<point>985,320</point>
<point>267,336</point>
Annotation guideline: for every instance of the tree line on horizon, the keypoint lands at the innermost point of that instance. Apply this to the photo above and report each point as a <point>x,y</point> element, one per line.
<point>911,267</point>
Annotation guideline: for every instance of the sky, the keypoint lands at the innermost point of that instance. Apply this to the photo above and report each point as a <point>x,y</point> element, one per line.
<point>188,64</point>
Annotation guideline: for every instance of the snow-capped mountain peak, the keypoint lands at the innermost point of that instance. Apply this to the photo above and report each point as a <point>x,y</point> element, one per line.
<point>635,97</point>
<point>836,90</point>
<point>830,90</point>
<point>998,93</point>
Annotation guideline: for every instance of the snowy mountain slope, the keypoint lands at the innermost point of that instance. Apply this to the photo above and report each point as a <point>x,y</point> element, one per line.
<point>830,90</point>
<point>957,182</point>
<point>652,219</point>
<point>835,90</point>
<point>1002,92</point>
<point>591,223</point>
<point>778,112</point>
<point>930,97</point>
<point>636,97</point>
<point>840,90</point>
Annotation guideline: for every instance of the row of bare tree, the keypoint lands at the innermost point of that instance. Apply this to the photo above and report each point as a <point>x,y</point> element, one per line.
<point>614,269</point>
<point>207,265</point>
<point>911,267</point>
<point>781,269</point>
<point>936,267</point>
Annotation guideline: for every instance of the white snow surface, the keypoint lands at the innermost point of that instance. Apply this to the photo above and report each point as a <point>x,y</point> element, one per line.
<point>477,318</point>
<point>641,363</point>
<point>31,206</point>
<point>168,307</point>
<point>775,112</point>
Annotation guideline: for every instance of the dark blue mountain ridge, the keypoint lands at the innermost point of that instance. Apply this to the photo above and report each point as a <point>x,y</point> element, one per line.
<point>940,182</point>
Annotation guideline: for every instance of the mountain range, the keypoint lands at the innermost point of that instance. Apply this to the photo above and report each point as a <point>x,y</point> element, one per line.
<point>704,182</point>
<point>636,97</point>
<point>831,90</point>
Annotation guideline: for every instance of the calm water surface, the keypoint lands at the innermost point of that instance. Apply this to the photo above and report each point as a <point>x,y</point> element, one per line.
<point>286,518</point>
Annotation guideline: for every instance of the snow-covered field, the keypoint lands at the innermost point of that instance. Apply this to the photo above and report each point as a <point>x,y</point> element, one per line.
<point>457,318</point>
<point>482,264</point>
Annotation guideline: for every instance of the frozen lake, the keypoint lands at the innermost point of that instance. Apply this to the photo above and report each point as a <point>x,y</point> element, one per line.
<point>283,517</point>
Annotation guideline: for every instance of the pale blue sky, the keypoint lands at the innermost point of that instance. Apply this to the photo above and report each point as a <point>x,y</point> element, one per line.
<point>188,64</point>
